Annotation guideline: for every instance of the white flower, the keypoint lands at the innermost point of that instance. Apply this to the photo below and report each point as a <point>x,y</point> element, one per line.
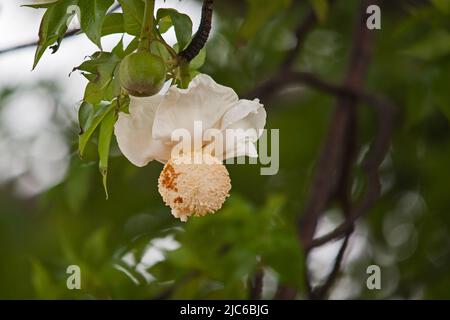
<point>145,134</point>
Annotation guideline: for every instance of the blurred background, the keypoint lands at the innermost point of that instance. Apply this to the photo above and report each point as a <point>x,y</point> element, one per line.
<point>53,211</point>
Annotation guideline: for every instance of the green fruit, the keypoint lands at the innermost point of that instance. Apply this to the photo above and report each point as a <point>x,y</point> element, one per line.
<point>142,74</point>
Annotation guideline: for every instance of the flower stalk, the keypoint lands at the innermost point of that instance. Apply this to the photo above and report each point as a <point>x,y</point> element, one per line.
<point>147,36</point>
<point>185,75</point>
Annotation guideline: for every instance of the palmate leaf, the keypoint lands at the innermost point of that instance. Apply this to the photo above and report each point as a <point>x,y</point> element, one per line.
<point>113,23</point>
<point>164,24</point>
<point>92,15</point>
<point>101,71</point>
<point>181,23</point>
<point>53,26</point>
<point>59,14</point>
<point>133,14</point>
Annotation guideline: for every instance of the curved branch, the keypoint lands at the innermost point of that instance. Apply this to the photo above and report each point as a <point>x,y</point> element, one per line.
<point>202,34</point>
<point>321,292</point>
<point>385,114</point>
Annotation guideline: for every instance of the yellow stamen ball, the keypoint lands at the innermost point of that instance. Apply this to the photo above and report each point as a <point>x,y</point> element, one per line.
<point>194,184</point>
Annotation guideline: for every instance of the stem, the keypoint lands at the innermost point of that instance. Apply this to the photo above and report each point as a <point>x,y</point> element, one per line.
<point>172,52</point>
<point>202,34</point>
<point>184,74</point>
<point>147,26</point>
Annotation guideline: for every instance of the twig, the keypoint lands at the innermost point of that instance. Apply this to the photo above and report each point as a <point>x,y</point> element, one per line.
<point>202,34</point>
<point>385,112</point>
<point>322,291</point>
<point>256,285</point>
<point>301,33</point>
<point>331,158</point>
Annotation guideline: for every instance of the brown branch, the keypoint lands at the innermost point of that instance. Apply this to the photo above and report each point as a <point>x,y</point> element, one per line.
<point>266,90</point>
<point>256,285</point>
<point>385,113</point>
<point>202,34</point>
<point>321,292</point>
<point>334,167</point>
<point>336,160</point>
<point>332,156</point>
<point>301,33</point>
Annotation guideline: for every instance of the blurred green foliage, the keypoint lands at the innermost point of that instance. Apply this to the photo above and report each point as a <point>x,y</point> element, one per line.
<point>213,256</point>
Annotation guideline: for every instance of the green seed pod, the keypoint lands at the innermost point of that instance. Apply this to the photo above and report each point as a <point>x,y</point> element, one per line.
<point>142,74</point>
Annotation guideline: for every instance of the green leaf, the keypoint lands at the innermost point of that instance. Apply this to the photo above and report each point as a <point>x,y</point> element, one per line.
<point>132,46</point>
<point>113,23</point>
<point>442,5</point>
<point>85,115</point>
<point>53,27</point>
<point>159,49</point>
<point>199,60</point>
<point>133,14</point>
<point>104,144</point>
<point>259,13</point>
<point>119,50</point>
<point>433,46</point>
<point>42,281</point>
<point>100,114</point>
<point>93,14</point>
<point>101,70</point>
<point>320,8</point>
<point>181,22</point>
<point>38,5</point>
<point>164,24</point>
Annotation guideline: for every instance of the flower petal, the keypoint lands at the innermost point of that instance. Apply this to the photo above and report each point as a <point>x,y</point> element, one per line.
<point>242,126</point>
<point>204,100</point>
<point>134,132</point>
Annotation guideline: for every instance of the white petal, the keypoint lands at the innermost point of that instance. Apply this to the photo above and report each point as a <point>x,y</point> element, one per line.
<point>246,148</point>
<point>245,114</point>
<point>243,125</point>
<point>134,132</point>
<point>204,100</point>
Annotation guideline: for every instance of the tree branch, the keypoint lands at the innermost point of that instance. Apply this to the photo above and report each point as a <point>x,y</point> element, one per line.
<point>256,284</point>
<point>301,33</point>
<point>385,113</point>
<point>321,292</point>
<point>202,34</point>
<point>334,167</point>
<point>331,159</point>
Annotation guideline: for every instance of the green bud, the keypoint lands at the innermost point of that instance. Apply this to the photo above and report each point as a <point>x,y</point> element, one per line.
<point>142,74</point>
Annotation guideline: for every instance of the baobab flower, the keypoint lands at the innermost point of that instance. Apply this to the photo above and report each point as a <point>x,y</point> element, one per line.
<point>194,181</point>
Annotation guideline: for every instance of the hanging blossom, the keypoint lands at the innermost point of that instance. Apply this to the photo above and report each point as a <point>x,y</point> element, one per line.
<point>194,180</point>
